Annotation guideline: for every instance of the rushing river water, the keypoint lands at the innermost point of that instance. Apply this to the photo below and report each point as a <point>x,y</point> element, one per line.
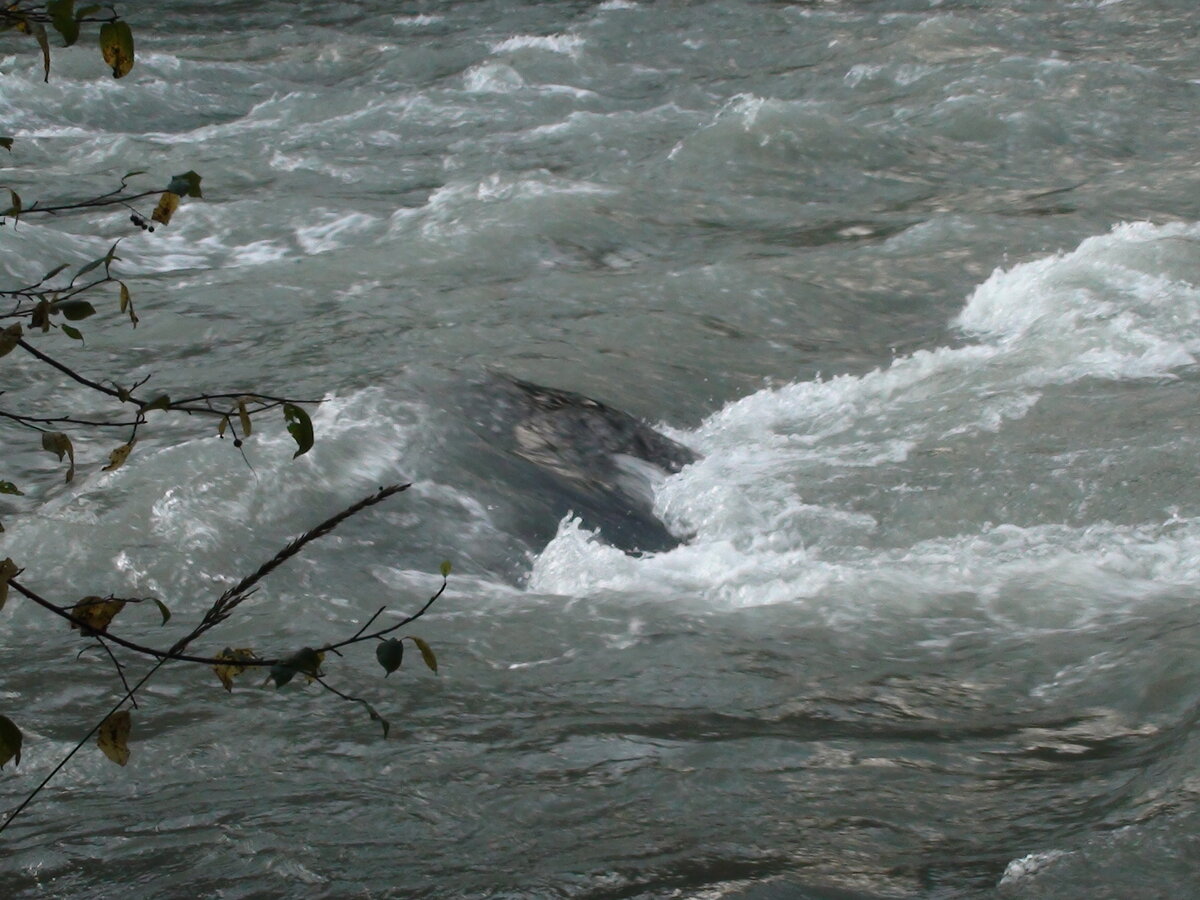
<point>917,282</point>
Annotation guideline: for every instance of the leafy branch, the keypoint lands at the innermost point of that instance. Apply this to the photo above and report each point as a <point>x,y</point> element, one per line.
<point>93,615</point>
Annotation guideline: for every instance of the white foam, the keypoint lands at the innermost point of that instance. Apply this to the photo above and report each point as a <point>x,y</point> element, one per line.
<point>568,44</point>
<point>1121,306</point>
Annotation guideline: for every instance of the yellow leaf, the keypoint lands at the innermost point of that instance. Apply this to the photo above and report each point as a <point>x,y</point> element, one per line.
<point>117,458</point>
<point>426,653</point>
<point>245,418</point>
<point>232,669</point>
<point>8,569</point>
<point>113,737</point>
<point>167,204</point>
<point>116,46</point>
<point>95,613</point>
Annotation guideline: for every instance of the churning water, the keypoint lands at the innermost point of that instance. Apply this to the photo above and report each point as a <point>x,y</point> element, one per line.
<point>919,282</point>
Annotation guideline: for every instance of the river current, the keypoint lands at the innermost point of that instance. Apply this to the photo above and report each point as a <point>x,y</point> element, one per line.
<point>918,281</point>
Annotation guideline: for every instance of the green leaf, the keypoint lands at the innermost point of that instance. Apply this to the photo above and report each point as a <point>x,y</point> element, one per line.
<point>9,338</point>
<point>7,487</point>
<point>10,742</point>
<point>62,17</point>
<point>73,310</point>
<point>6,143</point>
<point>39,32</point>
<point>58,443</point>
<point>8,569</point>
<point>426,653</point>
<point>14,208</point>
<point>54,272</point>
<point>376,717</point>
<point>306,661</point>
<point>300,427</point>
<point>162,608</point>
<point>390,654</point>
<point>185,185</point>
<point>445,568</point>
<point>162,401</point>
<point>116,46</point>
<point>72,332</point>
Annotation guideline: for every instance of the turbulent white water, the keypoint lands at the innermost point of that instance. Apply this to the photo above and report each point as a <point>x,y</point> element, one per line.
<point>916,280</point>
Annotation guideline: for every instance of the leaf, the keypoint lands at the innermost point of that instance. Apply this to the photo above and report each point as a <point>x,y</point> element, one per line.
<point>167,204</point>
<point>10,742</point>
<point>117,458</point>
<point>62,17</point>
<point>14,208</point>
<point>113,737</point>
<point>127,303</point>
<point>41,316</point>
<point>39,32</point>
<point>390,654</point>
<point>300,427</point>
<point>58,443</point>
<point>162,608</point>
<point>162,401</point>
<point>306,661</point>
<point>95,613</point>
<point>116,46</point>
<point>72,332</point>
<point>229,671</point>
<point>185,185</point>
<point>244,416</point>
<point>376,717</point>
<point>8,569</point>
<point>7,487</point>
<point>73,310</point>
<point>54,271</point>
<point>9,337</point>
<point>445,568</point>
<point>6,143</point>
<point>87,267</point>
<point>426,652</point>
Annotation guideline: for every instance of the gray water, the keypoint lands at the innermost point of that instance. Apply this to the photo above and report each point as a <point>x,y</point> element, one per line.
<point>918,282</point>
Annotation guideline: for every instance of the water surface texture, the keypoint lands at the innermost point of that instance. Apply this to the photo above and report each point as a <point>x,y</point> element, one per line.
<point>919,284</point>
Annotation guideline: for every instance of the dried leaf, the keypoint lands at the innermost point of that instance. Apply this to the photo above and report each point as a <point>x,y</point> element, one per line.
<point>229,671</point>
<point>167,204</point>
<point>117,458</point>
<point>95,613</point>
<point>244,416</point>
<point>113,737</point>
